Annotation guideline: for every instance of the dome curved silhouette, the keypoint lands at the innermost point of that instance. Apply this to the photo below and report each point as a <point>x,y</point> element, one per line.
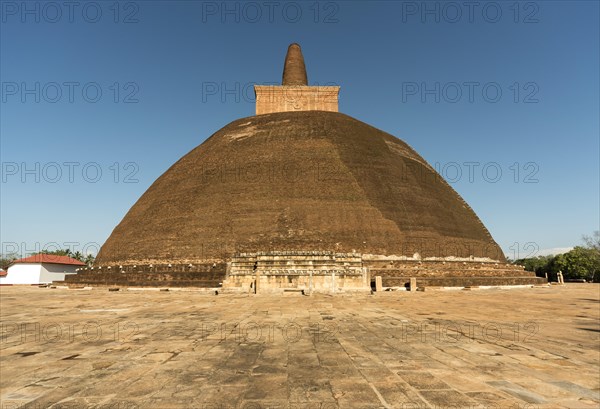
<point>298,181</point>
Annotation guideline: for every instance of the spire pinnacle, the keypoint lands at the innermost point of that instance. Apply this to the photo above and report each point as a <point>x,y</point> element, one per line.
<point>294,70</point>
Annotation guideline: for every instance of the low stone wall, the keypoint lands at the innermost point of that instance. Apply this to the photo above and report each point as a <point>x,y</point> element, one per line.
<point>209,275</point>
<point>455,273</point>
<point>271,284</point>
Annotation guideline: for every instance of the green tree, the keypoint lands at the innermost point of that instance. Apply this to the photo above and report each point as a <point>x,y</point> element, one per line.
<point>88,259</point>
<point>581,262</point>
<point>593,243</point>
<point>65,252</point>
<point>540,264</point>
<point>5,260</point>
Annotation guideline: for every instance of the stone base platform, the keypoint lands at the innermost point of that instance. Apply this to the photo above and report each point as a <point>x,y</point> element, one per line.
<point>308,272</point>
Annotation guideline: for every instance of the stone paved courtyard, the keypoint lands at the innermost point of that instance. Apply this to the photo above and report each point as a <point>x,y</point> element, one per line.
<point>518,348</point>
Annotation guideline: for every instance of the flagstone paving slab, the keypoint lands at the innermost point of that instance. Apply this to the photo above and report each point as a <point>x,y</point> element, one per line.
<point>517,348</point>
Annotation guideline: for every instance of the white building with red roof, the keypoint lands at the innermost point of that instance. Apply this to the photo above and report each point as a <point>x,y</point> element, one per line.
<point>40,269</point>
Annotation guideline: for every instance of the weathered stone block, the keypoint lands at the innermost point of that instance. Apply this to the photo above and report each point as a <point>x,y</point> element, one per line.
<point>378,284</point>
<point>271,98</point>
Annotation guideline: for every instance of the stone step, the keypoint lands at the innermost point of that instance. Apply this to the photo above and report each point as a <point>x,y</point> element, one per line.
<point>440,265</point>
<point>157,268</point>
<point>462,281</point>
<point>89,276</point>
<point>448,273</point>
<point>124,283</point>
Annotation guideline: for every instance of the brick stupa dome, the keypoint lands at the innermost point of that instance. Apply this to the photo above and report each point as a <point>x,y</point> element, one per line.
<point>309,180</point>
<point>301,197</point>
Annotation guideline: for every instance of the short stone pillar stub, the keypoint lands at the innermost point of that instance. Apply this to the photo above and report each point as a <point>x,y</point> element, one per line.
<point>413,284</point>
<point>378,284</point>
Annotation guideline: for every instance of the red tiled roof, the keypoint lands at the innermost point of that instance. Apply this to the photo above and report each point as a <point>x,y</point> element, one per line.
<point>49,258</point>
<point>3,273</point>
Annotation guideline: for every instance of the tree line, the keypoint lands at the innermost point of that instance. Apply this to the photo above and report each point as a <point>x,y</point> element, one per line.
<point>581,263</point>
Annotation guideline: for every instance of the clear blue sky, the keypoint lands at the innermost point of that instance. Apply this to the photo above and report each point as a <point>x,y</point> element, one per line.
<point>426,72</point>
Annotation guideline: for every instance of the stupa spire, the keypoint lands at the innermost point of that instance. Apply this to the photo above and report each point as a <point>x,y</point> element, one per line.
<point>294,94</point>
<point>294,70</point>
